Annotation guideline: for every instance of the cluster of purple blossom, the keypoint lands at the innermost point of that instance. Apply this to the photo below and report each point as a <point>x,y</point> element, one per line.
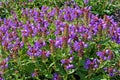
<point>67,63</point>
<point>74,28</point>
<point>92,64</point>
<point>4,64</point>
<point>105,55</point>
<point>112,71</point>
<point>56,76</point>
<point>35,50</point>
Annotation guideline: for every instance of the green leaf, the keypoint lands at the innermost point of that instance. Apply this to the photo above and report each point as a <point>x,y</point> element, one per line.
<point>71,71</point>
<point>51,64</point>
<point>48,75</point>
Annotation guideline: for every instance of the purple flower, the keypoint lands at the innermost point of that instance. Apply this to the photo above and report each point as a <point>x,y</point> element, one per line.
<point>19,44</point>
<point>100,54</point>
<point>30,0</point>
<point>47,53</point>
<point>5,43</point>
<point>77,13</point>
<point>34,74</point>
<point>0,3</point>
<point>52,13</point>
<point>105,69</point>
<point>69,66</point>
<point>56,76</point>
<point>25,33</point>
<point>76,46</point>
<point>71,58</point>
<point>68,16</point>
<point>87,63</point>
<point>69,41</point>
<point>4,63</point>
<point>72,34</point>
<point>39,44</point>
<point>32,51</point>
<point>71,51</point>
<point>65,61</point>
<point>86,2</point>
<point>111,71</point>
<point>45,24</point>
<point>58,42</point>
<point>1,78</point>
<point>91,64</point>
<point>111,74</point>
<point>105,55</point>
<point>44,8</point>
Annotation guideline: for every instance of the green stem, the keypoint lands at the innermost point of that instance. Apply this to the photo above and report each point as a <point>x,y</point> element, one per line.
<point>66,77</point>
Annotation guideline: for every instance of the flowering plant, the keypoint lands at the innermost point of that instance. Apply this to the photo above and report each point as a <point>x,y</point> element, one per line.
<point>59,43</point>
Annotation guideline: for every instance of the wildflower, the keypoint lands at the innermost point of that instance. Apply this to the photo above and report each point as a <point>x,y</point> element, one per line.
<point>68,16</point>
<point>32,51</point>
<point>86,2</point>
<point>58,42</point>
<point>25,33</point>
<point>56,76</point>
<point>69,66</point>
<point>111,71</point>
<point>105,55</point>
<point>47,53</point>
<point>76,46</point>
<point>44,8</point>
<point>67,63</point>
<point>63,61</point>
<point>4,63</point>
<point>91,64</point>
<point>39,44</point>
<point>30,0</point>
<point>34,74</point>
<point>1,3</point>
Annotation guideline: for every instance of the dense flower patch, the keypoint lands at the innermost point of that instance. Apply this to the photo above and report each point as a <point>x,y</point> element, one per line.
<point>59,43</point>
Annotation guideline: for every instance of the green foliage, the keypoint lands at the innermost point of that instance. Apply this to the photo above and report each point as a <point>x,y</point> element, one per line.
<point>101,7</point>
